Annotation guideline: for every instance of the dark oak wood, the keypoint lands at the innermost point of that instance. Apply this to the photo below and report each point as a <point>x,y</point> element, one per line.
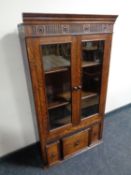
<point>58,103</point>
<point>35,17</point>
<point>95,133</point>
<point>67,129</point>
<point>63,24</point>
<point>75,133</point>
<point>75,143</point>
<point>53,153</point>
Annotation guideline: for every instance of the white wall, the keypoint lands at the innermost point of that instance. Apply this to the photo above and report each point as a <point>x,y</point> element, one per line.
<point>17,122</point>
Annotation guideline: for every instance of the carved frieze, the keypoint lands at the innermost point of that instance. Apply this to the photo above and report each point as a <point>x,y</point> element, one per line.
<point>64,29</point>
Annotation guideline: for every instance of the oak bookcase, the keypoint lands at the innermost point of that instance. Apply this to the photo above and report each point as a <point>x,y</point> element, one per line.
<point>68,61</point>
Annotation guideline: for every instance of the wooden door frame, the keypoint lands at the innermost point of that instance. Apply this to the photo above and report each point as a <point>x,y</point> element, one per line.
<point>74,73</point>
<point>38,81</point>
<point>105,67</point>
<point>34,52</point>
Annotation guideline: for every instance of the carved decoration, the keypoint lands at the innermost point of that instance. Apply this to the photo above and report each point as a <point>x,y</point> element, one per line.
<point>64,29</point>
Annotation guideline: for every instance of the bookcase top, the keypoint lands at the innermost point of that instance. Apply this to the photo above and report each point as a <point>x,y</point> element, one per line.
<point>39,17</point>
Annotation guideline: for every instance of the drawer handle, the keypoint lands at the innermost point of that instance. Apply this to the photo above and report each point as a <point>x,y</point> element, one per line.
<point>77,143</point>
<point>75,88</point>
<point>79,87</point>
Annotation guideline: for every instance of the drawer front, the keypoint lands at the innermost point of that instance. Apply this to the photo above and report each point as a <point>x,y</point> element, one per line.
<point>95,133</point>
<point>75,142</point>
<point>53,153</point>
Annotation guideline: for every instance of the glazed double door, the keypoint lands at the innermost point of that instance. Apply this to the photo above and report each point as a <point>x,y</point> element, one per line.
<point>74,74</point>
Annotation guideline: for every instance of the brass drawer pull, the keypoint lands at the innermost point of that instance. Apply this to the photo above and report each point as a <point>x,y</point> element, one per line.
<point>75,88</point>
<point>76,143</point>
<point>79,87</point>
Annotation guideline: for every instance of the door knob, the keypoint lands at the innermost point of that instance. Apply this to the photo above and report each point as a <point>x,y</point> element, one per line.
<point>79,87</point>
<point>75,88</point>
<point>76,143</point>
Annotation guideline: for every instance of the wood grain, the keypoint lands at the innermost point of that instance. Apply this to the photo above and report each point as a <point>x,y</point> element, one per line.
<point>74,143</point>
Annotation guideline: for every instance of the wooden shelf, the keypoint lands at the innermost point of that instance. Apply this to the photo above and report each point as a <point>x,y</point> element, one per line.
<point>60,122</point>
<point>90,63</point>
<point>66,95</point>
<point>55,63</point>
<point>89,110</point>
<point>86,95</point>
<point>58,103</point>
<point>92,74</point>
<point>58,69</point>
<point>92,48</point>
<point>87,103</point>
<point>60,117</point>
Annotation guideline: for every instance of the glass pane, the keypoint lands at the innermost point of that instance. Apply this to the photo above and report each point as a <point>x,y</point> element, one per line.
<point>56,60</point>
<point>56,56</point>
<point>92,58</point>
<point>59,116</point>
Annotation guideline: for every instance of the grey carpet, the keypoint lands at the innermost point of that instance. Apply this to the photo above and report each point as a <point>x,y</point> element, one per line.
<point>112,157</point>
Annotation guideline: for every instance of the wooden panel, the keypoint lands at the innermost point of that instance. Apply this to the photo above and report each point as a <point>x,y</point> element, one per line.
<point>95,133</point>
<point>41,17</point>
<point>67,29</point>
<point>66,24</point>
<point>105,73</point>
<point>62,131</point>
<point>76,95</point>
<point>53,154</point>
<point>37,78</point>
<point>75,143</point>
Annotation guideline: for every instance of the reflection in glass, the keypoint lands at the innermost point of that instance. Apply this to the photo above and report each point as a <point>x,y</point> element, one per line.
<point>56,56</point>
<point>59,116</point>
<point>92,58</point>
<point>56,60</point>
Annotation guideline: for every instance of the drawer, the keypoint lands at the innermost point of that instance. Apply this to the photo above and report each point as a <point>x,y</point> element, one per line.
<point>75,142</point>
<point>53,153</point>
<point>95,133</point>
